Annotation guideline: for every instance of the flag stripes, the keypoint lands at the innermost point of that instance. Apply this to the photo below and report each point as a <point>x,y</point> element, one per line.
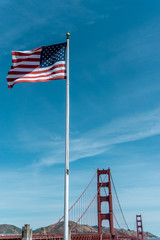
<point>27,67</point>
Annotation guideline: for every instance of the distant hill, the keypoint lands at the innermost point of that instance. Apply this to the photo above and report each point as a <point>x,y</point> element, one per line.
<point>127,232</point>
<point>89,229</point>
<point>9,229</point>
<point>58,229</point>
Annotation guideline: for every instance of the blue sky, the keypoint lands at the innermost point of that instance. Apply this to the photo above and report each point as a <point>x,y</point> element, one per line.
<point>114,108</point>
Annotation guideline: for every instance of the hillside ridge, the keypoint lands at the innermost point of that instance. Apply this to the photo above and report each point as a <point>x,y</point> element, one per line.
<point>11,229</point>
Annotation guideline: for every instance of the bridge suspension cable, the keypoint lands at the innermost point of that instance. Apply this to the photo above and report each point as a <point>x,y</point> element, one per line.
<point>116,220</point>
<point>81,201</point>
<point>119,203</point>
<point>90,202</point>
<point>74,203</point>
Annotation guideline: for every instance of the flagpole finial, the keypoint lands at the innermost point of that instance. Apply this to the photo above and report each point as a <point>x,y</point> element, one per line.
<point>67,34</point>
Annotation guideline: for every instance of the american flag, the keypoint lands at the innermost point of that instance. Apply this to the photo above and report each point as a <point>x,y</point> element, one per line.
<point>39,65</point>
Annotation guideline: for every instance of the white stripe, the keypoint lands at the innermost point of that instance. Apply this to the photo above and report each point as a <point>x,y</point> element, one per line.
<point>35,75</point>
<point>29,52</point>
<point>40,78</point>
<point>26,63</point>
<point>35,69</point>
<point>24,57</point>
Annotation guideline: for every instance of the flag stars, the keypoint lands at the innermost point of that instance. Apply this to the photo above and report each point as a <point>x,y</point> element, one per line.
<point>52,54</point>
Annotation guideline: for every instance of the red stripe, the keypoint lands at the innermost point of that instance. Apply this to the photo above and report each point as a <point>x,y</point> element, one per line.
<point>46,75</point>
<point>55,78</point>
<point>35,72</point>
<point>25,59</point>
<point>25,66</point>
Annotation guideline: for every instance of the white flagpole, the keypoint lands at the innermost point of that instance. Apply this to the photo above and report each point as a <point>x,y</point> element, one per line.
<point>66,184</point>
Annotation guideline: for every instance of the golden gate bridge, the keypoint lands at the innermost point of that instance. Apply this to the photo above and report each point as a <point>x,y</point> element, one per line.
<point>88,214</point>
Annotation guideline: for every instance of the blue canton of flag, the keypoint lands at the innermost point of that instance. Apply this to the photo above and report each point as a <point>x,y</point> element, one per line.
<point>52,54</point>
<point>38,65</point>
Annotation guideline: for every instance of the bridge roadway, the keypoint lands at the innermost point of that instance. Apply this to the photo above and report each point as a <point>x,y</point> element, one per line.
<point>76,236</point>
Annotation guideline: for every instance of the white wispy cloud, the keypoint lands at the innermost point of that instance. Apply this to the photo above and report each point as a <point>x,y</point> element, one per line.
<point>99,140</point>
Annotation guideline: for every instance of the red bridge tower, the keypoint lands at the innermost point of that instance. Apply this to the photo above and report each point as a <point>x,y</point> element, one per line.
<point>139,227</point>
<point>105,216</point>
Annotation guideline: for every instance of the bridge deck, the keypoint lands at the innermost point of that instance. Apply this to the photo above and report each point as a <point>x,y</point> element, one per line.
<point>91,236</point>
